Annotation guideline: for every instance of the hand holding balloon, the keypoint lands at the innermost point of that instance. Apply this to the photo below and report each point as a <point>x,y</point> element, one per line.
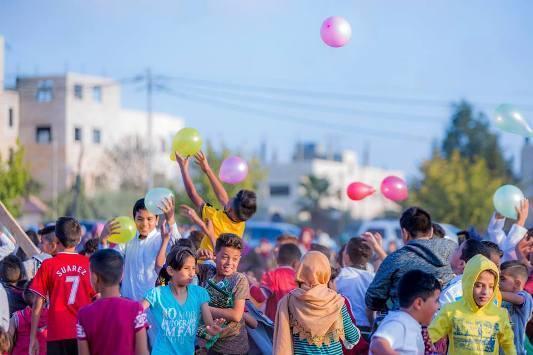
<point>155,201</point>
<point>507,200</point>
<point>522,212</point>
<point>125,232</point>
<point>186,142</point>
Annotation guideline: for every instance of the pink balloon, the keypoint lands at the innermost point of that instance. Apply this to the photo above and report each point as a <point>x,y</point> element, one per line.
<point>233,170</point>
<point>357,191</point>
<point>336,31</point>
<point>394,188</point>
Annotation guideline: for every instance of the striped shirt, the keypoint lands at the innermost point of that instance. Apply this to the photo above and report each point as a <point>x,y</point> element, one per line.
<point>351,334</point>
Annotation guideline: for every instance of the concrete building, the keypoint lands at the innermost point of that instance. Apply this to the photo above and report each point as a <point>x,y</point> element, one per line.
<point>70,123</point>
<point>9,113</point>
<point>282,189</point>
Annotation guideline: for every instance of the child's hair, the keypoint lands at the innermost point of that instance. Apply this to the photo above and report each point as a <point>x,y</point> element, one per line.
<point>108,265</point>
<point>358,251</point>
<point>47,230</point>
<point>438,231</point>
<point>323,249</point>
<point>5,341</point>
<point>27,294</point>
<point>416,221</point>
<point>516,269</point>
<point>186,243</point>
<point>493,247</point>
<point>473,247</point>
<point>196,238</point>
<point>68,231</point>
<point>90,247</point>
<point>414,284</point>
<point>288,254</point>
<point>11,269</point>
<point>335,271</point>
<point>286,239</point>
<point>244,204</point>
<point>177,256</point>
<point>228,240</point>
<point>138,206</point>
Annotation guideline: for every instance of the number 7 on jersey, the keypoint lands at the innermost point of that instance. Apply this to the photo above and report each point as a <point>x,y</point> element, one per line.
<point>75,283</point>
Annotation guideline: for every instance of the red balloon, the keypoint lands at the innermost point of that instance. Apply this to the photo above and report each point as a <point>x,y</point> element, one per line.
<point>357,191</point>
<point>394,188</point>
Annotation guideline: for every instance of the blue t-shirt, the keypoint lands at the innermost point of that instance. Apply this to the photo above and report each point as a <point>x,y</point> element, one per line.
<point>520,315</point>
<point>175,324</point>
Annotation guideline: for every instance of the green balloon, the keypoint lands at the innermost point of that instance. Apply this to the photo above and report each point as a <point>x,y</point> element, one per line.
<point>126,231</point>
<point>187,142</point>
<point>507,199</point>
<point>509,119</point>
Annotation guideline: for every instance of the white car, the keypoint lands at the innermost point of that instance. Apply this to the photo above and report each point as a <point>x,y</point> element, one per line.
<point>391,232</point>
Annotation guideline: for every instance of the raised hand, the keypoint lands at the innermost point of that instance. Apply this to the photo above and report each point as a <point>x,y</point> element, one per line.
<point>522,212</point>
<point>111,227</point>
<point>201,161</point>
<point>189,213</point>
<point>168,208</point>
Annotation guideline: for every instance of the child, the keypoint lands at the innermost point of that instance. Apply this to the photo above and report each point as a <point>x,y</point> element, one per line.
<point>228,291</point>
<point>237,210</point>
<point>354,279</point>
<point>496,253</point>
<point>11,276</point>
<point>90,247</point>
<point>178,307</point>
<point>466,251</point>
<point>313,319</point>
<point>141,262</point>
<point>518,302</point>
<point>475,324</point>
<point>20,325</point>
<point>125,331</point>
<point>400,332</point>
<point>278,282</point>
<point>65,281</point>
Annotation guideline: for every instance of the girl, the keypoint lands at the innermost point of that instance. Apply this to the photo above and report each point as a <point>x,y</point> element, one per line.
<point>312,319</point>
<point>176,308</point>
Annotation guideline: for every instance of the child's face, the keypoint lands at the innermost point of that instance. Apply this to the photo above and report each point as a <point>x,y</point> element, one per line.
<point>47,246</point>
<point>484,288</point>
<point>227,261</point>
<point>184,276</point>
<point>495,258</point>
<point>428,308</point>
<point>508,283</point>
<point>145,222</point>
<point>230,212</point>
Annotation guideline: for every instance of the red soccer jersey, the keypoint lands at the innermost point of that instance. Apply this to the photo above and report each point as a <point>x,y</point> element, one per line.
<point>65,281</point>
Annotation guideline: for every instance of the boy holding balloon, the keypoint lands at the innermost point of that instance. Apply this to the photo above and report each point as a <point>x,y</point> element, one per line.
<point>145,253</point>
<point>237,210</point>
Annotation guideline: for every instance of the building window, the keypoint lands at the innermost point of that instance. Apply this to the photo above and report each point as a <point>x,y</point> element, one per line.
<point>43,134</point>
<point>45,91</point>
<point>97,136</point>
<point>11,118</point>
<point>78,91</point>
<point>280,190</point>
<point>97,93</point>
<point>77,134</point>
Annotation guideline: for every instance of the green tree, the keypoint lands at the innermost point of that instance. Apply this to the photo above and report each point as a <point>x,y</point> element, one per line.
<point>14,179</point>
<point>456,190</point>
<point>469,134</point>
<point>314,192</point>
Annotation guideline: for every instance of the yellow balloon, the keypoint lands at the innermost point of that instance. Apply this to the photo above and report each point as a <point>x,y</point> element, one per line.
<point>186,142</point>
<point>126,231</point>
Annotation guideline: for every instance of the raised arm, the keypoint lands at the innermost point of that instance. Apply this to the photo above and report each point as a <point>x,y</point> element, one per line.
<point>207,227</point>
<point>35,316</point>
<point>196,199</point>
<point>220,192</point>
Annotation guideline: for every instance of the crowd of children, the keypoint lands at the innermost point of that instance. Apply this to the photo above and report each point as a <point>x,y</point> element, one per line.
<point>171,291</point>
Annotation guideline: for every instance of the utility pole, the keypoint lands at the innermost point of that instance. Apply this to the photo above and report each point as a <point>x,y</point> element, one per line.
<point>150,123</point>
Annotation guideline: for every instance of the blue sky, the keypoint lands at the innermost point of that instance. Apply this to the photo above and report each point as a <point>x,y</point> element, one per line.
<point>412,57</point>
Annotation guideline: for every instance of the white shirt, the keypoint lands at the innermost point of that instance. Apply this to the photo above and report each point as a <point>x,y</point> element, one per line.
<point>352,283</point>
<point>507,243</point>
<point>453,292</point>
<point>140,272</point>
<point>4,309</point>
<point>7,245</point>
<point>402,332</point>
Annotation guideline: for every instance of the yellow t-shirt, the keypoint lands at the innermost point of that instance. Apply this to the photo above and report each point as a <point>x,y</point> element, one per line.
<point>221,224</point>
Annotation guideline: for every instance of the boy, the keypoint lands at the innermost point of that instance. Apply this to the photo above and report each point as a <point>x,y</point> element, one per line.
<point>401,332</point>
<point>277,283</point>
<point>354,279</point>
<point>124,332</point>
<point>518,302</point>
<point>228,290</point>
<point>237,210</point>
<point>475,324</point>
<point>65,281</point>
<point>142,264</point>
<point>496,253</point>
<point>466,251</point>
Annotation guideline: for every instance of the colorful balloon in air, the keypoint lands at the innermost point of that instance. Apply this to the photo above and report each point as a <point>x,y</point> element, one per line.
<point>186,142</point>
<point>394,188</point>
<point>233,170</point>
<point>506,199</point>
<point>509,119</point>
<point>154,198</point>
<point>126,230</point>
<point>357,191</point>
<point>336,31</point>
